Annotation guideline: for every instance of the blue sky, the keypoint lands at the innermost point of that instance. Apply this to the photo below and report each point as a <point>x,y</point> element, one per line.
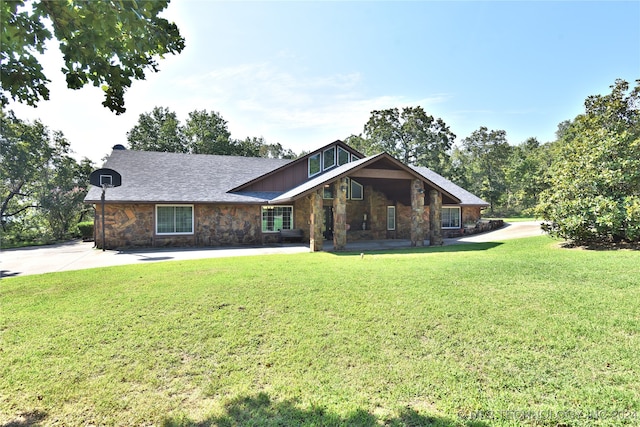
<point>307,73</point>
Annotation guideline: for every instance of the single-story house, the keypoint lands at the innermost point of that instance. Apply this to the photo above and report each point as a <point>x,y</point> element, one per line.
<point>333,193</point>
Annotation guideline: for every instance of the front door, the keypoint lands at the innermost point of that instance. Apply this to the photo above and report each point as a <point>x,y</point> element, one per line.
<point>327,223</point>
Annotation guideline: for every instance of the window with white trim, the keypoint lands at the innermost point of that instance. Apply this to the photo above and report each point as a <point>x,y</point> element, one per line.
<point>391,217</point>
<point>450,217</point>
<point>343,156</point>
<point>356,190</point>
<point>329,158</point>
<point>174,219</point>
<point>315,164</point>
<point>276,218</point>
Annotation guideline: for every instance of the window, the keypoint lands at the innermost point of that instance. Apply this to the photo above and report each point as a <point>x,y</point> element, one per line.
<point>174,219</point>
<point>354,158</point>
<point>276,218</point>
<point>314,164</point>
<point>356,190</point>
<point>329,158</point>
<point>450,217</point>
<point>343,156</point>
<point>391,217</point>
<point>328,192</point>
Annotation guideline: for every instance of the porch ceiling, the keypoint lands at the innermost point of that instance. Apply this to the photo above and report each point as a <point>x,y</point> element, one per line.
<point>399,189</point>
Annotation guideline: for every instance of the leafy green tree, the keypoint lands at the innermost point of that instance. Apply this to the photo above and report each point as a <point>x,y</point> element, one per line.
<point>105,43</point>
<point>526,175</point>
<point>410,135</point>
<point>487,155</point>
<point>24,153</point>
<point>594,195</point>
<point>41,182</point>
<point>207,133</point>
<point>159,130</point>
<point>62,192</point>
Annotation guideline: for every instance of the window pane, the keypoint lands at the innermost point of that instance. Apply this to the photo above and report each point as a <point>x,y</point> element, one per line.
<point>343,156</point>
<point>314,164</point>
<point>391,217</point>
<point>184,219</point>
<point>356,190</point>
<point>165,219</point>
<point>329,158</point>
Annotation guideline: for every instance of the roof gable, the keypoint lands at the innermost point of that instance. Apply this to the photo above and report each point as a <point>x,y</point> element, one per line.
<point>297,172</point>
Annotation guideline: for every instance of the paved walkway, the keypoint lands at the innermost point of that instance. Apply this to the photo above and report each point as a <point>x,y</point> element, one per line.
<point>79,255</point>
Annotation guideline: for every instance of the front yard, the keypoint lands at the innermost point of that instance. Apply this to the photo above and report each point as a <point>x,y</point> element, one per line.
<point>512,333</point>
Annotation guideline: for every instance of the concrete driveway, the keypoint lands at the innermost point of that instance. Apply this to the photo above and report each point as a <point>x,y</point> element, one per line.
<point>79,255</point>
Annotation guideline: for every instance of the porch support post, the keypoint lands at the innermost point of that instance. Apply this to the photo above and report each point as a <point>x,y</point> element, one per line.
<point>315,230</point>
<point>435,223</point>
<point>340,214</point>
<point>417,212</point>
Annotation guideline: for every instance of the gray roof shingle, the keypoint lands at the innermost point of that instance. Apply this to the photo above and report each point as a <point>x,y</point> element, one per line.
<point>184,178</point>
<point>465,197</point>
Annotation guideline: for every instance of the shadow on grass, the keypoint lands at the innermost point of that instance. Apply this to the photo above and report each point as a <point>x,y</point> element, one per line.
<point>457,247</point>
<point>260,410</point>
<point>28,419</point>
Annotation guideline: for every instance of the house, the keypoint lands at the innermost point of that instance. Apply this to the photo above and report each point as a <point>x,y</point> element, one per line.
<point>333,193</point>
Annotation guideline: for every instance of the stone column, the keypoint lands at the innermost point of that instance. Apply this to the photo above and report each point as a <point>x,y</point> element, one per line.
<point>340,214</point>
<point>315,230</point>
<point>435,223</point>
<point>417,211</point>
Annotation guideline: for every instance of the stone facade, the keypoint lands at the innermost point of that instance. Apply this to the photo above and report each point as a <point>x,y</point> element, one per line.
<point>133,225</point>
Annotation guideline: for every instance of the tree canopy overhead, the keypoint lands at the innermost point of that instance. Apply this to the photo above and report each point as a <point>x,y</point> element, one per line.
<point>106,43</point>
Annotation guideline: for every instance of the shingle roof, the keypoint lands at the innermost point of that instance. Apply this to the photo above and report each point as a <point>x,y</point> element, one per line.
<point>187,178</point>
<point>183,178</point>
<point>465,197</point>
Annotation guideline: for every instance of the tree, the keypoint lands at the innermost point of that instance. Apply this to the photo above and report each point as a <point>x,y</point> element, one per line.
<point>207,133</point>
<point>24,153</point>
<point>62,192</point>
<point>526,174</point>
<point>106,43</point>
<point>159,130</point>
<point>40,180</point>
<point>594,195</point>
<point>410,135</point>
<point>488,155</point>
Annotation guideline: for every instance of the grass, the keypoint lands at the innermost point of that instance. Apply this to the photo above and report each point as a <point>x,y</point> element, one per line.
<point>499,334</point>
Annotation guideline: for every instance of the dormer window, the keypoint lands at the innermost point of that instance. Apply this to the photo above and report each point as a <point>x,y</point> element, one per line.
<point>329,158</point>
<point>315,166</point>
<point>343,156</point>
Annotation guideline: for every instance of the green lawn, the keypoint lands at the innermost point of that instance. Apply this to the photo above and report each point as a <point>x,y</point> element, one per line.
<point>499,334</point>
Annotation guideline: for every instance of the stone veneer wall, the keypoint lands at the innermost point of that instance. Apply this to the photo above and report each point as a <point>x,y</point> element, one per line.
<point>133,225</point>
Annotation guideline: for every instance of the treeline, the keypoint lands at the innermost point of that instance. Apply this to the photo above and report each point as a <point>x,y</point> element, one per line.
<point>203,133</point>
<point>509,177</point>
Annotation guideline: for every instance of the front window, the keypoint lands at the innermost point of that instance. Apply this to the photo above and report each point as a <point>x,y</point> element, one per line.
<point>391,217</point>
<point>174,219</point>
<point>450,217</point>
<point>276,218</point>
